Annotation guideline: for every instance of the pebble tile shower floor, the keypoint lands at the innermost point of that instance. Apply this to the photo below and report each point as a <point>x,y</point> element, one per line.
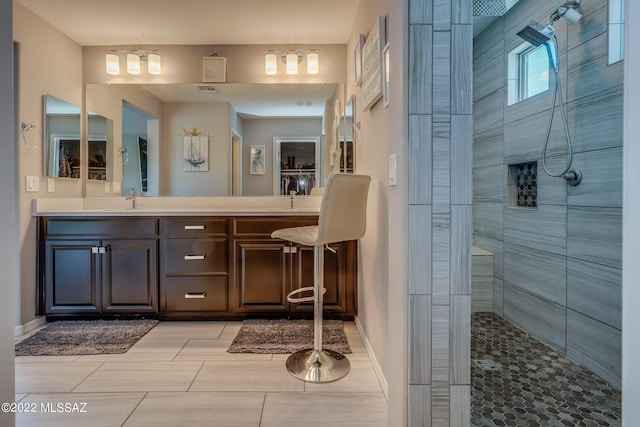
<point>518,381</point>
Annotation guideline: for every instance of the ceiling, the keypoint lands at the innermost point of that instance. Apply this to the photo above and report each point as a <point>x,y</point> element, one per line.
<point>194,22</point>
<point>124,22</point>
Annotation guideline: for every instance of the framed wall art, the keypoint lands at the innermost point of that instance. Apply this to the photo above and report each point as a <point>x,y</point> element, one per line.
<point>372,64</point>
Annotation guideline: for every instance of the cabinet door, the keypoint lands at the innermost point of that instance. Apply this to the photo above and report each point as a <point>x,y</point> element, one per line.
<point>72,277</point>
<point>335,277</point>
<point>262,276</point>
<point>130,276</point>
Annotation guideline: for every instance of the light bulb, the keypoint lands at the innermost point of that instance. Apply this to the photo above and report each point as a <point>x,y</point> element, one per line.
<point>113,64</point>
<point>313,63</point>
<point>133,63</point>
<point>292,63</point>
<point>270,64</point>
<point>153,63</point>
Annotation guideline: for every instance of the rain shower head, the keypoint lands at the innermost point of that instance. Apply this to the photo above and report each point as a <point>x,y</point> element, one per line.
<point>533,33</point>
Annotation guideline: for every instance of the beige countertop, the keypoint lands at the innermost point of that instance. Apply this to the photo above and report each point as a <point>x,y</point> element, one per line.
<point>178,206</point>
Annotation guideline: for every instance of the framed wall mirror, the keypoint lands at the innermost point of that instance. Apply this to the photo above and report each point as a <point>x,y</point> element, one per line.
<point>61,142</point>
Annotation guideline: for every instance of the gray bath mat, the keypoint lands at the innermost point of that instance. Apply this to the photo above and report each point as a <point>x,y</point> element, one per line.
<point>80,337</point>
<point>284,336</point>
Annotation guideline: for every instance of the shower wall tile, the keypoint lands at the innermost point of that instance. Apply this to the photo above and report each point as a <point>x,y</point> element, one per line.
<point>462,69</point>
<point>595,346</point>
<point>498,296</point>
<point>460,401</point>
<point>419,405</point>
<point>420,70</point>
<point>460,255</point>
<point>595,291</point>
<point>441,167</point>
<point>420,339</point>
<point>487,220</point>
<point>541,318</point>
<point>601,179</point>
<point>524,138</point>
<point>488,184</point>
<point>440,404</point>
<point>488,130</point>
<point>441,263</point>
<point>440,344</point>
<point>441,73</point>
<point>420,169</point>
<point>542,274</point>
<point>420,249</point>
<point>595,122</point>
<point>593,23</point>
<point>552,190</point>
<point>441,15</point>
<point>488,61</point>
<point>461,12</point>
<point>544,228</point>
<point>421,12</point>
<point>496,247</point>
<point>461,159</point>
<point>595,235</point>
<point>481,293</point>
<point>481,262</point>
<point>588,72</point>
<point>460,372</point>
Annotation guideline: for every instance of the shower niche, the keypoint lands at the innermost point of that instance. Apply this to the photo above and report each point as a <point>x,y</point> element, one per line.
<point>522,185</point>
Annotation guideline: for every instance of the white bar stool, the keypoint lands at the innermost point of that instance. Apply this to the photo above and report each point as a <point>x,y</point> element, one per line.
<point>342,217</point>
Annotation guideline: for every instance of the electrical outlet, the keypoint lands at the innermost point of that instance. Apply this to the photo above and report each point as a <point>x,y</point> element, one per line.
<point>116,187</point>
<point>392,171</point>
<point>33,184</point>
<point>51,185</point>
<point>107,187</point>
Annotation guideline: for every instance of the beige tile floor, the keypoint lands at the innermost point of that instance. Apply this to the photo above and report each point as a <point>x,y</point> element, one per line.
<point>180,374</point>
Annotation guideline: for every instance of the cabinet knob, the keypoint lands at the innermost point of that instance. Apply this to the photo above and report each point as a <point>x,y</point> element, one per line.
<point>193,257</point>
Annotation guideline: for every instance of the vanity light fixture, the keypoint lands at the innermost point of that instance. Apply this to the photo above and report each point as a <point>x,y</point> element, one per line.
<point>135,57</point>
<point>291,58</point>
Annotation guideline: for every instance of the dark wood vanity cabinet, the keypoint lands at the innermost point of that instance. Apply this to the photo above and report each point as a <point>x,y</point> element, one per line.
<point>194,265</point>
<point>99,266</point>
<point>267,269</point>
<point>186,267</point>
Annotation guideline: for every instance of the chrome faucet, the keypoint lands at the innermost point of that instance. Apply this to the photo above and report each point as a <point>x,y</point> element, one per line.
<point>132,197</point>
<point>292,193</point>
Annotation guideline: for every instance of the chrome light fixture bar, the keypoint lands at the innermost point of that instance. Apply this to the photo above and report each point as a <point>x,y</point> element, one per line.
<point>291,58</point>
<point>135,57</point>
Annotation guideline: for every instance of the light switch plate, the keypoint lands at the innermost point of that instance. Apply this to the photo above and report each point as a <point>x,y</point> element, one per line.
<point>32,184</point>
<point>392,170</point>
<point>116,188</point>
<point>51,185</point>
<point>107,187</point>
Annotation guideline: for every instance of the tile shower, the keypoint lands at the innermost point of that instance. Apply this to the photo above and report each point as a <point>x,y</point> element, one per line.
<point>557,259</point>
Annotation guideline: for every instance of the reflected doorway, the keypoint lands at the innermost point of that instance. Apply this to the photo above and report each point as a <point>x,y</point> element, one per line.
<point>296,165</point>
<point>236,165</point>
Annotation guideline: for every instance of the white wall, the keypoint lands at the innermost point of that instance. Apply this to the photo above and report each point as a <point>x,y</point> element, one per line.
<point>262,132</point>
<point>208,118</point>
<point>49,63</point>
<point>372,153</point>
<point>9,261</point>
<point>630,225</point>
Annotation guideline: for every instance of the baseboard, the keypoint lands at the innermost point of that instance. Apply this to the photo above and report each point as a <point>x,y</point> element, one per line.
<point>29,326</point>
<point>376,366</point>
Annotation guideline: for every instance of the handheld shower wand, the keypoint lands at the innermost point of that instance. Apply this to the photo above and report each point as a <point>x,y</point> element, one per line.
<point>538,35</point>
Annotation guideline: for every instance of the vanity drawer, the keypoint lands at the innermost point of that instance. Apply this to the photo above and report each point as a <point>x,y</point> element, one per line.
<point>263,227</point>
<point>195,294</point>
<point>193,226</point>
<point>195,256</point>
<point>102,226</point>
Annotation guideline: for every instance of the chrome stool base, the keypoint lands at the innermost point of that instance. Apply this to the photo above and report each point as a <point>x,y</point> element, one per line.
<point>315,366</point>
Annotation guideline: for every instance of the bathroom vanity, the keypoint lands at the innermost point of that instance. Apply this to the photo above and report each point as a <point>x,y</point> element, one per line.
<point>184,258</point>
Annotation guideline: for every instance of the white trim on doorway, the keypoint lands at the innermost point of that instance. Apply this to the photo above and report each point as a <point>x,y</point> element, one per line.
<point>29,326</point>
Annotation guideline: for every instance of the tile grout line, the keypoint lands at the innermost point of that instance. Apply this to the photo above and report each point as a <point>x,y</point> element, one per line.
<point>134,409</point>
<point>87,377</point>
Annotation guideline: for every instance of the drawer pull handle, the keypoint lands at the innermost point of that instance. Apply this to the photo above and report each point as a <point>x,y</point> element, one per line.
<point>194,227</point>
<point>194,295</point>
<point>192,257</point>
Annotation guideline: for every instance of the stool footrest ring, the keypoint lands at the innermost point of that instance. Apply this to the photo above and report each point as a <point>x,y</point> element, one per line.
<point>290,297</point>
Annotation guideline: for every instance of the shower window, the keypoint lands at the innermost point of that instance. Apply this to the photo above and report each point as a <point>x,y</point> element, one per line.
<point>616,31</point>
<point>528,72</point>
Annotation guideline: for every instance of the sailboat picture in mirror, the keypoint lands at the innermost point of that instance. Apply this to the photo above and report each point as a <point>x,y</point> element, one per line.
<point>195,151</point>
<point>142,152</point>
